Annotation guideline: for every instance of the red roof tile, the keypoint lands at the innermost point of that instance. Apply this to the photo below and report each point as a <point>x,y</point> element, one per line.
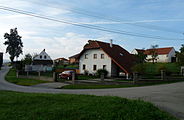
<point>64,59</point>
<point>160,51</point>
<point>119,56</point>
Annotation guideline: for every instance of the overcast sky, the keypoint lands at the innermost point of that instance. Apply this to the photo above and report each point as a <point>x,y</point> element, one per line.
<point>163,18</point>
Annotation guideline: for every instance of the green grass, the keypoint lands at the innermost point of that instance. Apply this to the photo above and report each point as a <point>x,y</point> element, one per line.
<point>151,68</point>
<point>11,77</point>
<point>67,66</point>
<point>29,106</point>
<point>92,86</point>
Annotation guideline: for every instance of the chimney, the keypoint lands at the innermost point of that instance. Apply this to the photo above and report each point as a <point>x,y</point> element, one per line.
<point>111,43</point>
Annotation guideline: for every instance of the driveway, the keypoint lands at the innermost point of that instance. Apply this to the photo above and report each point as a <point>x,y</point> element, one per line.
<point>168,97</point>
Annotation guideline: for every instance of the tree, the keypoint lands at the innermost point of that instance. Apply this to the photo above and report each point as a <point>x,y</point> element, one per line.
<point>14,43</point>
<point>27,59</point>
<point>153,53</point>
<point>180,55</point>
<point>182,49</point>
<point>141,57</point>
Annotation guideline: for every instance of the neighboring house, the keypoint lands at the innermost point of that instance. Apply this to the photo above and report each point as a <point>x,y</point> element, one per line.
<point>1,59</point>
<point>74,59</point>
<point>164,54</point>
<point>42,59</point>
<point>41,62</point>
<point>61,61</point>
<point>100,55</point>
<point>136,51</point>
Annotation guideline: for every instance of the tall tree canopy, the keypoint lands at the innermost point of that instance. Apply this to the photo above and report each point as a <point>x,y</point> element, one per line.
<point>14,44</point>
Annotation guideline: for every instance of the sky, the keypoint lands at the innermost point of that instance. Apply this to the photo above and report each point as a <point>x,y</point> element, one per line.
<point>161,19</point>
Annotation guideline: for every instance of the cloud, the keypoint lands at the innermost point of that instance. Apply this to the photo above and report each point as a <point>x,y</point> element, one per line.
<point>65,46</point>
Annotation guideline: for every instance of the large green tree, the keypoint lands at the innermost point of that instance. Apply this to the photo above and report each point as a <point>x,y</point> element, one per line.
<point>14,44</point>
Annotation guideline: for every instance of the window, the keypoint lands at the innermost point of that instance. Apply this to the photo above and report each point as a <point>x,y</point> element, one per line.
<point>45,56</point>
<point>95,56</point>
<point>121,54</point>
<point>86,56</point>
<point>40,57</point>
<point>102,56</point>
<point>94,67</point>
<point>84,67</point>
<point>104,67</point>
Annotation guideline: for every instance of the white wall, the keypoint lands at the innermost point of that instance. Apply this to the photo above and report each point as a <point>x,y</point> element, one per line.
<point>164,57</point>
<point>43,54</point>
<point>171,54</point>
<point>134,52</point>
<point>91,61</point>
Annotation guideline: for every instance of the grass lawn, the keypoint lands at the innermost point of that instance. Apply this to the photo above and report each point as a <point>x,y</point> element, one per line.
<point>92,86</point>
<point>11,77</point>
<point>151,68</point>
<point>29,106</point>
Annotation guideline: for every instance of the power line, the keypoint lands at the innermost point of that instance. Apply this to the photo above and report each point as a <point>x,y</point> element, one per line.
<point>85,26</point>
<point>84,12</point>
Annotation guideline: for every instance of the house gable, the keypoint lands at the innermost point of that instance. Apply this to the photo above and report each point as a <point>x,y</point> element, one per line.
<point>43,56</point>
<point>118,55</point>
<point>87,59</point>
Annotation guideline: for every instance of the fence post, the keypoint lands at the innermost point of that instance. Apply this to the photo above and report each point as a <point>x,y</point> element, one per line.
<point>135,77</point>
<point>55,76</point>
<point>102,77</point>
<point>27,73</point>
<point>17,74</point>
<point>73,78</point>
<point>162,74</point>
<point>39,74</point>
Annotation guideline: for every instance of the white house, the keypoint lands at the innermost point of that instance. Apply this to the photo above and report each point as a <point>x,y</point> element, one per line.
<point>41,62</point>
<point>100,55</point>
<point>164,54</point>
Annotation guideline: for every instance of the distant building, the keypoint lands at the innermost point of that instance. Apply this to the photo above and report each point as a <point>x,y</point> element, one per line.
<point>100,55</point>
<point>1,59</point>
<point>41,62</point>
<point>42,59</point>
<point>61,61</point>
<point>164,54</point>
<point>74,59</point>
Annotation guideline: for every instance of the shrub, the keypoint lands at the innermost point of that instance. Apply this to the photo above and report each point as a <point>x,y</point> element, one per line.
<point>102,71</point>
<point>139,68</point>
<point>164,68</point>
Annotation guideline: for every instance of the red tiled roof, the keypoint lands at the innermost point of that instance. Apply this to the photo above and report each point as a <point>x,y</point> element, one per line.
<point>64,59</point>
<point>119,56</point>
<point>160,51</point>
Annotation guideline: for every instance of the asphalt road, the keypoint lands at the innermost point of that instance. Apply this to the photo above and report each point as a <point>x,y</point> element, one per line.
<point>169,97</point>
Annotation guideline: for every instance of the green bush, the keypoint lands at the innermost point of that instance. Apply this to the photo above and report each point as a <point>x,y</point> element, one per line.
<point>139,68</point>
<point>102,71</point>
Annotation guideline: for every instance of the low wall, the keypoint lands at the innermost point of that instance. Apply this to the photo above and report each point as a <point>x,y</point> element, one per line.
<point>37,77</point>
